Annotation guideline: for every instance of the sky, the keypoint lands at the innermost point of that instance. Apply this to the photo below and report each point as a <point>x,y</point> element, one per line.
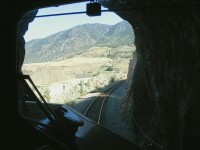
<point>45,26</point>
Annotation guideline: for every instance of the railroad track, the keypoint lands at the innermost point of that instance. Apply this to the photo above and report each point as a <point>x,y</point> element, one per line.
<point>95,108</point>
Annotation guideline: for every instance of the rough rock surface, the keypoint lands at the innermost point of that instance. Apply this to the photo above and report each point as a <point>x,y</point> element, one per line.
<point>165,89</point>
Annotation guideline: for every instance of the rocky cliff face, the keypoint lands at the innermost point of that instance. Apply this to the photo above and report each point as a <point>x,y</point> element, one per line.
<point>165,88</point>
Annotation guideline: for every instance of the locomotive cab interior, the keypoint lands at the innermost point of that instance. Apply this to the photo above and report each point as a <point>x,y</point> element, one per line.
<point>162,92</point>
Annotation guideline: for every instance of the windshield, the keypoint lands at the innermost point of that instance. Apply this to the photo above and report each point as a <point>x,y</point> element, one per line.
<point>76,59</point>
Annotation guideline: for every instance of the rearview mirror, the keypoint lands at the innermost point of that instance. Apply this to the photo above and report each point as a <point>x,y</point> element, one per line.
<point>93,9</point>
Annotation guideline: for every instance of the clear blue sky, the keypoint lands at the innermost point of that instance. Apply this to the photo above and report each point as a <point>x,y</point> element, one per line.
<point>42,27</point>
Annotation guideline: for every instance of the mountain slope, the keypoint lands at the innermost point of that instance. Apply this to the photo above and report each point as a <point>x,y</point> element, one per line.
<point>77,39</point>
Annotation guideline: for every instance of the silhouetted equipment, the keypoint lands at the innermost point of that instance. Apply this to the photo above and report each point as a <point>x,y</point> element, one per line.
<point>67,121</point>
<point>93,9</point>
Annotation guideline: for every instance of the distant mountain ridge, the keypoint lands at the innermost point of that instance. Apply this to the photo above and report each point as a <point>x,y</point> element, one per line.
<point>78,39</point>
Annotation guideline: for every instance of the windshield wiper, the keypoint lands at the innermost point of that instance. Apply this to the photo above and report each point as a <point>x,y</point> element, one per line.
<point>43,105</point>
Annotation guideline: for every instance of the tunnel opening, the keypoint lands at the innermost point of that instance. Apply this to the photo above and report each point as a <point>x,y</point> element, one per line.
<point>91,60</point>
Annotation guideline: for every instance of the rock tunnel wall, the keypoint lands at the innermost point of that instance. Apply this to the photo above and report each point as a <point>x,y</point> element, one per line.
<point>21,30</point>
<point>165,89</point>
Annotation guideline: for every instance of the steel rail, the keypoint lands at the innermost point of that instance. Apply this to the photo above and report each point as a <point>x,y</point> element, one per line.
<point>87,109</point>
<point>106,98</point>
<point>107,91</point>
